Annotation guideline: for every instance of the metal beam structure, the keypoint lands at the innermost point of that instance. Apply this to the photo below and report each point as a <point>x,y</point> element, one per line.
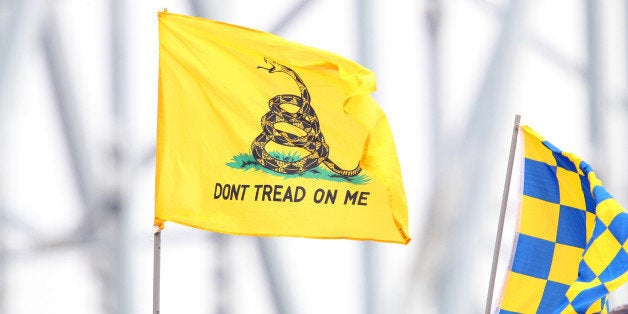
<point>13,33</point>
<point>117,196</point>
<point>290,16</point>
<point>595,84</point>
<point>489,106</point>
<point>95,201</point>
<point>275,276</point>
<point>461,212</point>
<point>457,211</point>
<point>366,52</point>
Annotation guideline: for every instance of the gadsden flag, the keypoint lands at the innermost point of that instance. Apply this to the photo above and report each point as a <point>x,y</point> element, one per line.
<point>260,136</point>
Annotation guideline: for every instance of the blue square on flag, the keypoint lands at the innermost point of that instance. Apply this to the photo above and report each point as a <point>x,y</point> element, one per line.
<point>572,227</point>
<point>541,181</point>
<point>533,256</point>
<point>553,293</point>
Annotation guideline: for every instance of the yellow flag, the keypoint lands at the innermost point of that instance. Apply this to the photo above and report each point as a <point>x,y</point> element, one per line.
<point>257,135</point>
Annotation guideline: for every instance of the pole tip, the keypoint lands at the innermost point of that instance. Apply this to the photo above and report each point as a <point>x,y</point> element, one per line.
<point>157,229</point>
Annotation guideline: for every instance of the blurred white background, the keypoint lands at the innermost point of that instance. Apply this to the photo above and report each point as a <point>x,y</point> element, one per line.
<point>78,87</point>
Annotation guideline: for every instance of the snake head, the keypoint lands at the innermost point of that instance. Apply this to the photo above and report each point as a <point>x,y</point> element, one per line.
<point>273,65</point>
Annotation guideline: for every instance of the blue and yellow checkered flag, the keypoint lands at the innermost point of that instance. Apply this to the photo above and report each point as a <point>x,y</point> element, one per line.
<point>572,240</point>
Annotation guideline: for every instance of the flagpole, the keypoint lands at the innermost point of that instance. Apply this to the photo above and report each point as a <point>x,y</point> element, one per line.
<point>156,268</point>
<point>502,214</point>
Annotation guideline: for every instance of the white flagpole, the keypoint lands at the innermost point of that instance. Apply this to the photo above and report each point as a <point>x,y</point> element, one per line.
<point>156,269</point>
<point>502,214</point>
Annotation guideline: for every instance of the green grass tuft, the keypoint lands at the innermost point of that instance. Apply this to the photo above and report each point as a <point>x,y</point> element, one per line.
<point>246,162</point>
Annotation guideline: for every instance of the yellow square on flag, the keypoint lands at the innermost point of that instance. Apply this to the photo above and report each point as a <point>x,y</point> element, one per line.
<point>570,189</point>
<point>604,250</point>
<point>537,152</point>
<point>564,268</point>
<point>544,228</point>
<point>523,293</point>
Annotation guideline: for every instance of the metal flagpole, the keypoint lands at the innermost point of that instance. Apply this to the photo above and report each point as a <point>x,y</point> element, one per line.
<point>502,215</point>
<point>156,269</point>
